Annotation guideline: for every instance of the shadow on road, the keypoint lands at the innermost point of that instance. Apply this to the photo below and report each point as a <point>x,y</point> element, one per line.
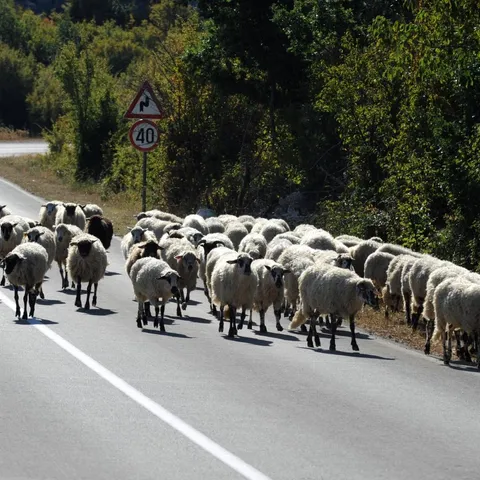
<point>166,334</point>
<point>281,336</point>
<point>462,366</point>
<point>100,312</point>
<point>111,274</point>
<point>35,321</point>
<point>47,301</point>
<point>196,319</point>
<point>252,341</point>
<point>347,354</point>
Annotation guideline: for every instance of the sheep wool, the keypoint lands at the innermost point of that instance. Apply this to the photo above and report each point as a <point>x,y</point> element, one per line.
<point>63,236</point>
<point>70,213</point>
<point>254,244</point>
<point>135,235</point>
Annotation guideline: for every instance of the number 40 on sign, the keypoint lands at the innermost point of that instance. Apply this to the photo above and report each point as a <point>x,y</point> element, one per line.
<point>144,135</point>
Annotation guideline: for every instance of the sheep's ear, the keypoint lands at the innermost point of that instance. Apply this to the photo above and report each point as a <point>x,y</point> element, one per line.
<point>129,229</point>
<point>73,243</point>
<point>93,241</point>
<point>202,242</point>
<point>232,261</point>
<point>81,206</point>
<point>198,260</point>
<point>40,234</point>
<point>3,206</point>
<point>179,257</point>
<point>161,248</point>
<point>219,243</point>
<point>268,267</point>
<point>361,287</point>
<point>14,224</point>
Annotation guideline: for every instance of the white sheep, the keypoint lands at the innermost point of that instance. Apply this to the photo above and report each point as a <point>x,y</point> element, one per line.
<point>406,289</point>
<point>227,218</point>
<point>236,231</point>
<point>152,279</point>
<point>392,292</point>
<point>26,266</point>
<point>12,228</point>
<point>153,224</point>
<point>360,253</point>
<point>325,289</point>
<point>91,209</point>
<point>276,248</point>
<point>86,262</point>
<point>349,240</point>
<point>71,214</point>
<point>290,236</point>
<point>197,222</point>
<point>191,234</point>
<point>258,225</point>
<point>47,214</point>
<point>376,267</point>
<point>246,218</point>
<point>149,248</point>
<point>233,286</point>
<point>135,235</point>
<point>457,305</point>
<point>331,257</point>
<point>63,236</point>
<point>160,215</point>
<point>214,225</point>
<point>319,240</point>
<point>272,228</point>
<point>211,261</point>
<point>396,249</point>
<point>4,211</point>
<point>270,291</point>
<point>303,229</point>
<point>254,244</point>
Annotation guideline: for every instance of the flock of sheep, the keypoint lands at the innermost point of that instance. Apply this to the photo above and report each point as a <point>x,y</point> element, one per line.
<point>245,264</point>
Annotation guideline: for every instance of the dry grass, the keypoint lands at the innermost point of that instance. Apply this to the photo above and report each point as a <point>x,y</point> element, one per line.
<point>35,176</point>
<point>7,134</point>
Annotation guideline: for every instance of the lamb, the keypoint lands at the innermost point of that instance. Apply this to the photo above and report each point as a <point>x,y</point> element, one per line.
<point>236,231</point>
<point>272,228</point>
<point>12,228</point>
<point>149,248</point>
<point>47,214</point>
<point>233,286</point>
<point>63,236</point>
<point>254,244</point>
<point>135,235</point>
<point>26,266</point>
<point>46,238</point>
<point>181,256</point>
<point>152,279</point>
<point>4,211</point>
<point>326,289</point>
<point>319,240</point>
<point>197,222</point>
<point>360,254</point>
<point>376,267</point>
<point>269,291</point>
<point>91,209</point>
<point>215,225</point>
<point>86,262</point>
<point>102,228</point>
<point>70,213</point>
<point>456,302</point>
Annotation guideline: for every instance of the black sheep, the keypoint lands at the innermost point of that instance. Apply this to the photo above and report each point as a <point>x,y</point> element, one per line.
<point>102,228</point>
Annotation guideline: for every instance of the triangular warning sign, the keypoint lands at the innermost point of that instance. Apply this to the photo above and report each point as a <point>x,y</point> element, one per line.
<point>145,104</point>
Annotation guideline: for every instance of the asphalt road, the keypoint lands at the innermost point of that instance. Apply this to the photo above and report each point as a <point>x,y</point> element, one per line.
<point>90,396</point>
<point>29,147</point>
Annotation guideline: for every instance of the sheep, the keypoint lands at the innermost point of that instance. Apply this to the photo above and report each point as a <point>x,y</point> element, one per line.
<point>349,240</point>
<point>63,236</point>
<point>4,211</point>
<point>233,285</point>
<point>211,261</point>
<point>417,279</point>
<point>47,214</point>
<point>258,225</point>
<point>396,249</point>
<point>331,257</point>
<point>135,235</point>
<point>215,225</point>
<point>152,278</point>
<point>26,266</point>
<point>246,218</point>
<point>31,222</point>
<point>46,238</point>
<point>376,267</point>
<point>236,231</point>
<point>70,213</point>
<point>158,214</point>
<point>149,248</point>
<point>376,239</point>
<point>392,292</point>
<point>436,278</point>
<point>456,302</point>
<point>319,240</point>
<point>154,225</point>
<point>290,236</point>
<point>91,209</point>
<point>269,291</point>
<point>406,290</point>
<point>191,234</point>
<point>86,262</point>
<point>12,228</point>
<point>226,218</point>
<point>282,223</point>
<point>182,257</point>
<point>271,229</point>
<point>197,222</point>
<point>303,229</point>
<point>335,291</point>
<point>360,253</point>
<point>254,244</point>
<point>276,248</point>
<point>102,228</point>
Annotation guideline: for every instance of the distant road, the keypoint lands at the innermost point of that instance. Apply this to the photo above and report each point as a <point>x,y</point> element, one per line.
<point>23,147</point>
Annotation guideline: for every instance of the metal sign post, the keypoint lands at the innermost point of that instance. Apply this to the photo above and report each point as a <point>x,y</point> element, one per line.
<point>144,133</point>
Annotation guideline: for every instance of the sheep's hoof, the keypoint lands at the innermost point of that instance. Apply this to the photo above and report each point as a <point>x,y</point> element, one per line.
<point>42,295</point>
<point>279,327</point>
<point>333,347</point>
<point>139,323</point>
<point>250,325</point>
<point>184,305</point>
<point>317,341</point>
<point>426,350</point>
<point>73,285</point>
<point>155,323</point>
<point>179,312</point>
<point>355,347</point>
<point>240,325</point>
<point>2,283</point>
<point>24,316</point>
<point>78,303</point>
<point>303,328</point>
<point>162,328</point>
<point>18,313</point>
<point>144,320</point>
<point>309,343</point>
<point>231,333</point>
<point>263,329</point>
<point>94,301</point>
<point>446,361</point>
<point>220,327</point>
<point>87,306</point>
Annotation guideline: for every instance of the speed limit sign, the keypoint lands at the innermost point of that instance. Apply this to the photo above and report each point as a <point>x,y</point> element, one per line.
<point>144,135</point>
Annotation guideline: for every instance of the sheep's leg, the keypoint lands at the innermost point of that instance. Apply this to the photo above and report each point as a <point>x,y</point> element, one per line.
<point>146,307</point>
<point>94,299</point>
<point>2,282</point>
<point>32,298</point>
<point>428,333</point>
<point>293,309</point>
<point>408,308</point>
<point>157,311</point>
<point>89,291</point>
<point>416,317</point>
<point>250,321</point>
<point>78,300</point>
<point>333,346</point>
<point>286,310</point>
<point>474,347</point>
<point>316,336</point>
<point>243,315</point>
<point>25,299</point>
<point>310,336</point>
<point>60,268</point>
<point>232,331</point>
<point>458,345</point>
<point>162,316</point>
<point>303,328</point>
<point>220,325</point>
<point>446,360</point>
<point>466,353</point>
<point>179,311</point>
<point>183,298</point>
<point>18,312</point>
<point>277,314</point>
<point>352,330</point>
<point>478,349</point>
<point>187,297</point>
<point>263,328</point>
<point>140,314</point>
<point>40,291</point>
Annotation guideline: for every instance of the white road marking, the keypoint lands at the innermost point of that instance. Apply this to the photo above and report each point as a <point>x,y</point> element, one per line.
<point>160,412</point>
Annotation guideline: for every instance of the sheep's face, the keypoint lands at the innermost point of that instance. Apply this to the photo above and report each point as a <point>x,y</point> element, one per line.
<point>172,278</point>
<point>84,247</point>
<point>51,208</point>
<point>60,231</point>
<point>209,246</point>
<point>34,235</point>
<point>11,261</point>
<point>151,249</point>
<point>243,262</point>
<point>277,273</point>
<point>7,229</point>
<point>344,260</point>
<point>188,259</point>
<point>70,208</point>
<point>366,291</point>
<point>137,234</point>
